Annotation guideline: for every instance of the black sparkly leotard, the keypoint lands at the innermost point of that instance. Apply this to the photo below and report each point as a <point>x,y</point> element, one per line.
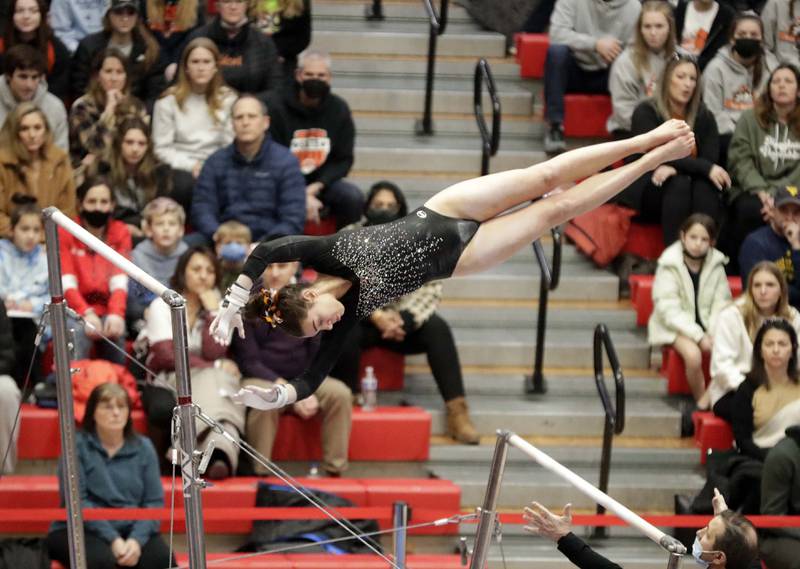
<point>384,262</point>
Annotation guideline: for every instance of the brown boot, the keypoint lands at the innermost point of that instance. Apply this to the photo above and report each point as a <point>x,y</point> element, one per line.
<point>459,425</point>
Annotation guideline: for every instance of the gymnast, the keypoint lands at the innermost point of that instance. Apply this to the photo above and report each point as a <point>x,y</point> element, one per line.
<point>466,228</point>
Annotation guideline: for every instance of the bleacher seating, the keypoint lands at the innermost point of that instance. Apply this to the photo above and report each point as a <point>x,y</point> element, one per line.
<point>645,240</point>
<point>440,497</point>
<point>711,433</point>
<point>388,365</point>
<point>642,295</point>
<point>673,368</point>
<point>408,428</point>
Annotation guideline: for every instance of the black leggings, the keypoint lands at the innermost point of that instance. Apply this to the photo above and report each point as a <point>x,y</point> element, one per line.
<point>435,339</point>
<point>679,197</point>
<point>155,553</point>
<point>745,217</point>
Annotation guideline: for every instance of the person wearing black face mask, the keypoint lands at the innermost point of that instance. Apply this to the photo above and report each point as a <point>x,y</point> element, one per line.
<point>318,127</point>
<point>734,75</point>
<point>411,325</point>
<point>93,287</point>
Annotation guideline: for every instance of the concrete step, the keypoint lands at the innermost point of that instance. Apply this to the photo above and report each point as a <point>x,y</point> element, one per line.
<point>478,44</point>
<point>520,281</point>
<point>641,489</point>
<point>559,384</point>
<point>463,126</point>
<point>449,96</point>
<point>552,416</point>
<point>524,317</point>
<point>354,11</point>
<point>398,26</point>
<point>430,159</point>
<point>505,68</point>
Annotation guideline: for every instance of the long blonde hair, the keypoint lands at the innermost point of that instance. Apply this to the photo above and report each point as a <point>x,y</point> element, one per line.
<point>185,16</point>
<point>9,134</point>
<point>749,309</point>
<point>640,49</point>
<point>216,88</point>
<point>661,99</point>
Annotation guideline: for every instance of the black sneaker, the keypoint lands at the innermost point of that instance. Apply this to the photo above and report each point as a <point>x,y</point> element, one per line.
<point>554,139</point>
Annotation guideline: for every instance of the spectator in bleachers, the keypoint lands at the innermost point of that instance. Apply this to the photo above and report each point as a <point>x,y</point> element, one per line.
<point>193,118</point>
<point>27,24</point>
<point>72,20</point>
<point>118,469</point>
<point>23,69</point>
<point>249,60</point>
<point>767,402</point>
<point>94,117</point>
<point>782,29</point>
<point>288,23</point>
<point>136,175</point>
<point>232,242</point>
<point>93,287</point>
<point>636,71</point>
<point>689,290</point>
<point>267,355</point>
<point>780,496</point>
<point>703,27</point>
<point>764,154</point>
<point>23,283</point>
<point>171,21</point>
<point>123,31</point>
<point>585,39</point>
<point>412,325</point>
<point>729,541</point>
<point>778,241</point>
<point>255,180</point>
<point>690,185</point>
<point>735,77</point>
<point>10,396</point>
<point>765,296</point>
<point>318,128</point>
<point>32,165</point>
<point>214,375</point>
<point>163,222</point>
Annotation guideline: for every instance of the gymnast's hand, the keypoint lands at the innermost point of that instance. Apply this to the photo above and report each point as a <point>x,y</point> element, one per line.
<point>228,318</point>
<point>545,523</point>
<point>262,398</point>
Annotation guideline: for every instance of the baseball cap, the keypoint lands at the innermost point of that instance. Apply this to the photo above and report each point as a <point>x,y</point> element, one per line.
<point>119,4</point>
<point>787,195</point>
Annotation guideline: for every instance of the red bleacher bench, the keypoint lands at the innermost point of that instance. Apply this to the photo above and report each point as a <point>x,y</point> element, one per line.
<point>586,115</point>
<point>389,367</point>
<point>711,433</point>
<point>388,433</point>
<point>645,240</point>
<point>318,561</point>
<point>326,226</point>
<point>531,54</point>
<point>642,295</point>
<point>37,492</point>
<point>673,369</point>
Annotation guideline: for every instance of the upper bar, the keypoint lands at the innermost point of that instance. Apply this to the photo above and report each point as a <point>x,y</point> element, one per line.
<point>112,256</point>
<point>666,541</point>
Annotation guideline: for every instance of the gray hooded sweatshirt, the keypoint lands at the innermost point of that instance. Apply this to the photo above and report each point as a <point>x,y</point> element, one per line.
<point>51,106</point>
<point>629,87</point>
<point>780,31</point>
<point>728,87</point>
<point>580,23</point>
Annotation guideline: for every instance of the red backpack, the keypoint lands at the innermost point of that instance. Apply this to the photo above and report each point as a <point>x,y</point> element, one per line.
<point>601,233</point>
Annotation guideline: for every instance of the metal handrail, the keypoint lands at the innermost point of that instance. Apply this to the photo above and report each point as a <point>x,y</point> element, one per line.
<point>438,23</point>
<point>490,142</point>
<point>374,11</point>
<point>614,414</point>
<point>549,279</point>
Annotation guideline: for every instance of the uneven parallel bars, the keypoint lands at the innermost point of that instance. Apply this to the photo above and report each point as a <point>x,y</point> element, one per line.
<point>107,252</point>
<point>666,541</point>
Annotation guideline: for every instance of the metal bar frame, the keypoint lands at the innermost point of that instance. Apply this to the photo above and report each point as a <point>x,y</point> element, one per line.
<point>191,487</point>
<point>487,518</point>
<point>614,422</point>
<point>438,24</point>
<point>489,142</point>
<point>400,536</point>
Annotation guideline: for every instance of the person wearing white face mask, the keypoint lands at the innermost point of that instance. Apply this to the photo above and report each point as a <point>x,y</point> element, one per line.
<point>729,541</point>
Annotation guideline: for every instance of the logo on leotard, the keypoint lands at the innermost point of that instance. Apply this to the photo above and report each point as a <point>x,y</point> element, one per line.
<point>422,214</point>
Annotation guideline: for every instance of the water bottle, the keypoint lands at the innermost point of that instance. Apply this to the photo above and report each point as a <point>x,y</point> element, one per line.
<point>369,390</point>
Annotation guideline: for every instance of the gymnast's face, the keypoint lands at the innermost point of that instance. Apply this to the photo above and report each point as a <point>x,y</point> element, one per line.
<point>324,311</point>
